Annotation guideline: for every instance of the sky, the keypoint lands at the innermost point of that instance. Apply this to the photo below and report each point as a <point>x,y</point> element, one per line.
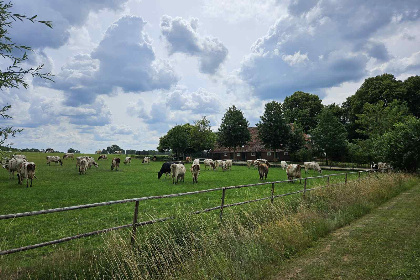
<point>126,71</point>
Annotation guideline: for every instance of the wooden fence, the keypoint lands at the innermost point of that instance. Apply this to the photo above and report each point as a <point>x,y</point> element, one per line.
<point>136,223</point>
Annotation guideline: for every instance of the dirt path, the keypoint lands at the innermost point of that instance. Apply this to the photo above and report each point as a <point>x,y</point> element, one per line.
<point>384,244</point>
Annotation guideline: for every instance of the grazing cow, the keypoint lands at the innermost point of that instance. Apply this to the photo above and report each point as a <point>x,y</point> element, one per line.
<point>188,159</point>
<point>83,165</point>
<point>228,164</point>
<point>195,171</point>
<point>218,163</point>
<point>223,165</point>
<point>98,152</point>
<point>146,160</point>
<point>263,171</point>
<point>118,152</point>
<point>165,169</point>
<point>26,171</point>
<point>127,160</point>
<point>12,165</point>
<point>293,171</point>
<point>312,165</point>
<point>249,163</point>
<point>78,159</point>
<point>91,161</point>
<point>115,164</point>
<point>207,162</point>
<point>55,159</point>
<point>102,157</point>
<point>260,160</point>
<point>68,155</point>
<point>283,164</point>
<point>196,161</point>
<point>19,157</point>
<point>383,166</point>
<point>178,172</point>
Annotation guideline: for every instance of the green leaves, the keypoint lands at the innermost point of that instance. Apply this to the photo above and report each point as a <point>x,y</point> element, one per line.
<point>233,131</point>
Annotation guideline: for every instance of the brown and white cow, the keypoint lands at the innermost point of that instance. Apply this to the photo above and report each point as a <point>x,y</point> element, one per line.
<point>115,164</point>
<point>26,171</point>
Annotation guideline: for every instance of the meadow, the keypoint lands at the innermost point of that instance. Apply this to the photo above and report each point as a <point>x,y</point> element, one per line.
<point>61,186</point>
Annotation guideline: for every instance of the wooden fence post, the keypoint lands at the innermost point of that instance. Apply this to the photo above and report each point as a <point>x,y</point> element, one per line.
<point>359,174</point>
<point>328,180</point>
<point>223,203</point>
<point>135,220</point>
<point>304,188</point>
<point>272,192</point>
<point>345,182</point>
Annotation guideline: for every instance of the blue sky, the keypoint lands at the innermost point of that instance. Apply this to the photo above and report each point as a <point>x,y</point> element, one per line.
<point>126,71</point>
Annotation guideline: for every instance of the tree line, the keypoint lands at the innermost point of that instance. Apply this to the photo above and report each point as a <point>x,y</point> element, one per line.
<point>380,122</point>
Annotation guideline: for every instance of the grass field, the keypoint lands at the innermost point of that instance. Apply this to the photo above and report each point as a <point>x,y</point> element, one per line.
<point>60,186</point>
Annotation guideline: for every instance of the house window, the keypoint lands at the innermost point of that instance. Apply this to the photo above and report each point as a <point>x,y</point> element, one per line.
<point>238,154</point>
<point>286,153</point>
<point>252,154</point>
<point>225,154</point>
<point>268,153</point>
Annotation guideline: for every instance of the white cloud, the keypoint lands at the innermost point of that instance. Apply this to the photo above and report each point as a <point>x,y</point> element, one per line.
<point>124,59</point>
<point>182,37</point>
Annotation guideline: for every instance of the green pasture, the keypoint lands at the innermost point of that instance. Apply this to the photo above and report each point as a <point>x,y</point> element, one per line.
<point>60,186</point>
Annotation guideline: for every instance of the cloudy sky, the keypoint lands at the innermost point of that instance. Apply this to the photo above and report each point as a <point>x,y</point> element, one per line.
<point>126,71</point>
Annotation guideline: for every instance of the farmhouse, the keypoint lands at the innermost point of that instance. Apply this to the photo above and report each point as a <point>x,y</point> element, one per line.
<point>253,150</point>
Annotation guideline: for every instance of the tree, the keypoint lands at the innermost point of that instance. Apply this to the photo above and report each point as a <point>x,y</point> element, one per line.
<point>412,94</point>
<point>202,138</point>
<point>233,131</point>
<point>74,151</point>
<point>400,147</point>
<point>302,108</point>
<point>296,142</point>
<point>113,148</point>
<point>383,88</point>
<point>377,118</point>
<point>177,139</point>
<point>273,130</point>
<point>330,135</point>
<point>13,74</point>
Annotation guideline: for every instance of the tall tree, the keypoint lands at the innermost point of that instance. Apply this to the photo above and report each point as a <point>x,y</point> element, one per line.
<point>13,72</point>
<point>113,148</point>
<point>233,131</point>
<point>383,88</point>
<point>202,138</point>
<point>400,147</point>
<point>302,108</point>
<point>273,130</point>
<point>412,94</point>
<point>330,135</point>
<point>177,139</point>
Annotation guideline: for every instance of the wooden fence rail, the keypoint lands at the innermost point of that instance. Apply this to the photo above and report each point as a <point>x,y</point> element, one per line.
<point>136,224</point>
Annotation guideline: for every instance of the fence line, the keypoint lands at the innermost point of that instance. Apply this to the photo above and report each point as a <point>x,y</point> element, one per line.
<point>136,224</point>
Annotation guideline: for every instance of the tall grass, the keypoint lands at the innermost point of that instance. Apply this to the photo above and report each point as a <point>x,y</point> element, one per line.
<point>249,244</point>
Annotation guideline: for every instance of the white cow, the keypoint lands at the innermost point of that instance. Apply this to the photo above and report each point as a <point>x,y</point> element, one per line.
<point>228,164</point>
<point>26,171</point>
<point>83,165</point>
<point>260,160</point>
<point>208,162</point>
<point>196,162</point>
<point>293,171</point>
<point>12,165</point>
<point>283,164</point>
<point>195,171</point>
<point>312,165</point>
<point>91,161</point>
<point>127,160</point>
<point>177,172</point>
<point>146,160</point>
<point>55,159</point>
<point>68,155</point>
<point>249,163</point>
